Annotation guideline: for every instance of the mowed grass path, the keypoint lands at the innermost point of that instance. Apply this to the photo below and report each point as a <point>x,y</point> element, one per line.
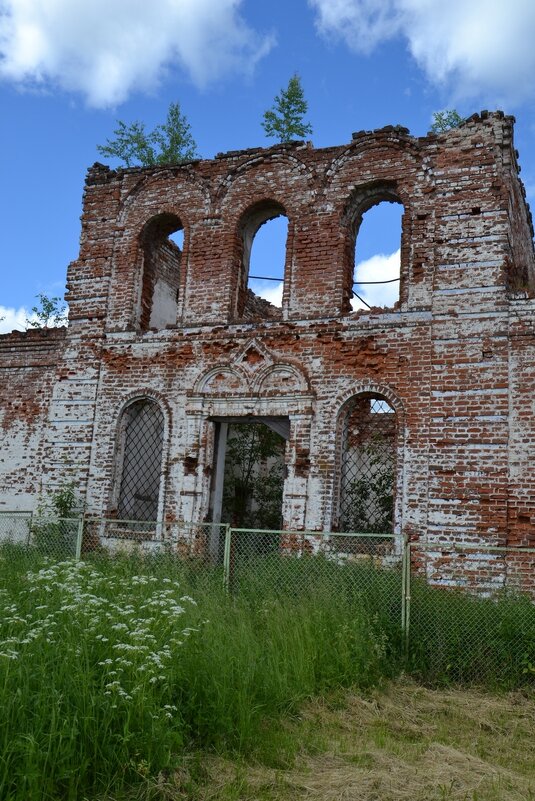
<point>119,676</point>
<point>402,742</point>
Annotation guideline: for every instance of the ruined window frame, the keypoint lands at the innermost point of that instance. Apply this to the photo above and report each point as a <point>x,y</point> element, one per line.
<point>362,199</point>
<point>250,222</point>
<point>156,230</point>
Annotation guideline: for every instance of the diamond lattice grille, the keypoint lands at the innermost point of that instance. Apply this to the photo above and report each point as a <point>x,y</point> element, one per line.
<point>368,465</point>
<point>142,462</point>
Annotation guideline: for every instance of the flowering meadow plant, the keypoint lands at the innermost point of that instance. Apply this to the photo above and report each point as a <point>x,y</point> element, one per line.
<point>89,657</point>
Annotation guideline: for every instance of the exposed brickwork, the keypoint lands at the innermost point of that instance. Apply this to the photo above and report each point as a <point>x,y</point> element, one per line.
<point>27,374</point>
<point>455,358</point>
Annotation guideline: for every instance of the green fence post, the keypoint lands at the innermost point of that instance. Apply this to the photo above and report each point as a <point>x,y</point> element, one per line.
<point>403,584</point>
<point>406,591</point>
<point>79,537</point>
<point>226,558</point>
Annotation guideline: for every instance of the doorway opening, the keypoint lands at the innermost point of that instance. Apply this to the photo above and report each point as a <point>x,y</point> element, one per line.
<point>248,476</point>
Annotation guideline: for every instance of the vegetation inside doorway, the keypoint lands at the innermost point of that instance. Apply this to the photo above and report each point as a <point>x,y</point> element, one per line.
<point>254,476</point>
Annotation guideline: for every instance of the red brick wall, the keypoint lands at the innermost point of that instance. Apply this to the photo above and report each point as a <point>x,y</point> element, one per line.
<point>455,359</point>
<point>27,375</point>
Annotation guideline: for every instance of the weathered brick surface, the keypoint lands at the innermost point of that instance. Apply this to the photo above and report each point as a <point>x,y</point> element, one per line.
<point>455,358</point>
<point>27,374</point>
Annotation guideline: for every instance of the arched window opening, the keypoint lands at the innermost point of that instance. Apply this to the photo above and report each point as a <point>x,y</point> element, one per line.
<point>368,462</point>
<point>265,233</point>
<point>161,243</point>
<point>376,275</point>
<point>141,446</point>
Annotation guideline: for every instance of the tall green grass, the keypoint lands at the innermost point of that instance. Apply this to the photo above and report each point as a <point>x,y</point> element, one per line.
<point>109,671</point>
<point>112,669</point>
<point>293,628</point>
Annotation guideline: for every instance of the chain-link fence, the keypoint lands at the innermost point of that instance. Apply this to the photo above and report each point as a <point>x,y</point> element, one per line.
<point>15,528</point>
<point>470,612</point>
<point>289,563</point>
<point>57,538</point>
<point>190,552</point>
<point>451,613</point>
<point>202,541</point>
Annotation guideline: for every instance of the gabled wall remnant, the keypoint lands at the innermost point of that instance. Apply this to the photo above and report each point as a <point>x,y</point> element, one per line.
<point>454,359</point>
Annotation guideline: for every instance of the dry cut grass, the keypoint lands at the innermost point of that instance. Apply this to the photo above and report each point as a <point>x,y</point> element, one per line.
<point>403,743</point>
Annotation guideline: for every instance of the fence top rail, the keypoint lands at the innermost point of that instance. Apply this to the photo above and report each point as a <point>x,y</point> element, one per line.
<point>210,524</point>
<point>165,523</point>
<point>323,534</point>
<point>14,513</point>
<point>451,547</point>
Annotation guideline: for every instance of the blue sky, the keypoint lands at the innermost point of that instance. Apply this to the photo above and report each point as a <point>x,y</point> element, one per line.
<point>69,69</point>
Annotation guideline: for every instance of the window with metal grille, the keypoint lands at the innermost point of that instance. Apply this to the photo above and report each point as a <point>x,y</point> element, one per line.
<point>142,436</point>
<point>368,460</point>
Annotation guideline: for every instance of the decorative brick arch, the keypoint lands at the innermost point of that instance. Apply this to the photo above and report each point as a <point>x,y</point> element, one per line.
<point>222,380</point>
<point>371,387</point>
<point>362,198</point>
<point>187,200</point>
<point>382,165</point>
<point>178,181</point>
<point>132,282</point>
<point>282,379</point>
<point>372,147</point>
<point>169,192</point>
<point>279,185</point>
<point>276,160</point>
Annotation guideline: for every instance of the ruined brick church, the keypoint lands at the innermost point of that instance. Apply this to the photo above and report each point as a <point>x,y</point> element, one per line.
<point>168,350</point>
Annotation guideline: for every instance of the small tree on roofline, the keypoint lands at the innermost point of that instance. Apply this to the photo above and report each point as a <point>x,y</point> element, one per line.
<point>285,119</point>
<point>51,313</point>
<point>446,120</point>
<point>169,143</point>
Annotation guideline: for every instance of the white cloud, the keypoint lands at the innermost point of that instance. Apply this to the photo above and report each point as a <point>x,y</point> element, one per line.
<point>13,319</point>
<point>362,23</point>
<point>18,320</point>
<point>476,48</point>
<point>107,48</point>
<point>380,267</point>
<point>272,293</point>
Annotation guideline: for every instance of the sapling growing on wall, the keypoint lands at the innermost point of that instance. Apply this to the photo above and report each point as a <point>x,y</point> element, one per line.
<point>62,502</point>
<point>285,120</point>
<point>50,313</point>
<point>446,120</point>
<point>169,143</point>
